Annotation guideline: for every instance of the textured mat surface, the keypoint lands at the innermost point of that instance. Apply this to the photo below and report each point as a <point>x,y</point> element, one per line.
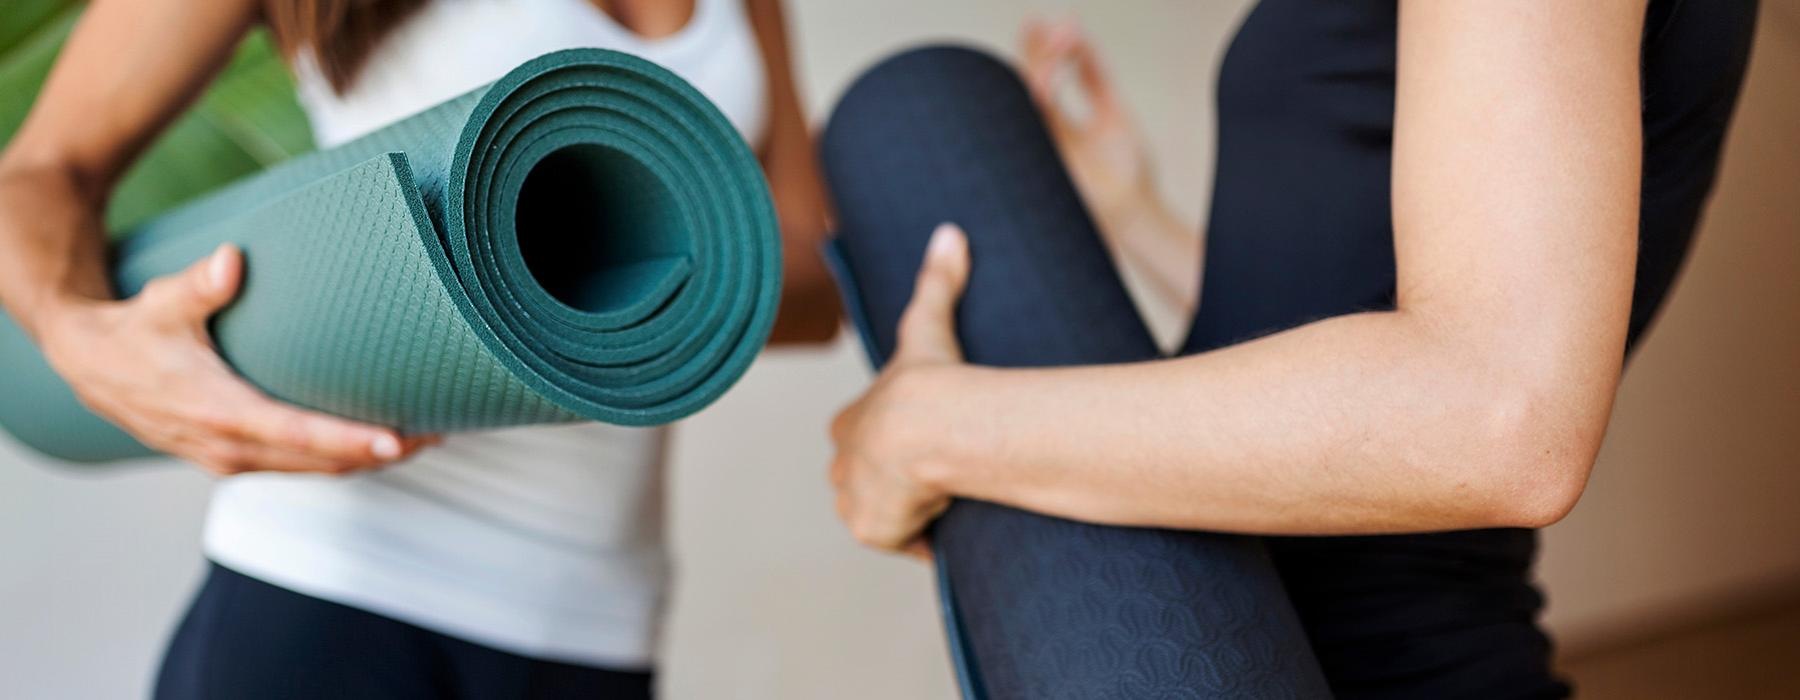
<point>586,238</point>
<point>1039,607</point>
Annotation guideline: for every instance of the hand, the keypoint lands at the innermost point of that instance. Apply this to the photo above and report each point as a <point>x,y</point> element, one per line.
<point>1104,153</point>
<point>887,440</point>
<point>1110,164</point>
<point>148,365</point>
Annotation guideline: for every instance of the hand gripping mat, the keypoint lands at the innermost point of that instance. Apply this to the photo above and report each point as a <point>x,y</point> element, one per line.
<point>1039,607</point>
<point>586,238</point>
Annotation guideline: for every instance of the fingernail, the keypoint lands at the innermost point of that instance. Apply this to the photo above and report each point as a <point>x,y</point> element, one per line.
<point>215,268</point>
<point>385,447</point>
<point>943,240</point>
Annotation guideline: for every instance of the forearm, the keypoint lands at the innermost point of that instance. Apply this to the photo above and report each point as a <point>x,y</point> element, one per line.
<point>1481,402</point>
<point>809,308</point>
<point>1146,237</point>
<point>809,304</point>
<point>117,81</point>
<point>1376,422</point>
<point>52,249</point>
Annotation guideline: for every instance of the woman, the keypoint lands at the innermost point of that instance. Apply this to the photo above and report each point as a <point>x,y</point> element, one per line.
<point>517,563</point>
<point>1436,231</point>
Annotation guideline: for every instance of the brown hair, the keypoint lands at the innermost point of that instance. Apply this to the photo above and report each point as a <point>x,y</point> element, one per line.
<point>340,33</point>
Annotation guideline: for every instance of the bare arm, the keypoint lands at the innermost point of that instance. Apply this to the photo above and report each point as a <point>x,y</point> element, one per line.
<point>809,302</point>
<point>118,82</point>
<point>1110,163</point>
<point>145,363</point>
<point>1479,401</point>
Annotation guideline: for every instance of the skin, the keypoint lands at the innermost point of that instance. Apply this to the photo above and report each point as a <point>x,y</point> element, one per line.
<point>147,363</point>
<point>1109,162</point>
<point>1480,401</point>
<point>809,309</point>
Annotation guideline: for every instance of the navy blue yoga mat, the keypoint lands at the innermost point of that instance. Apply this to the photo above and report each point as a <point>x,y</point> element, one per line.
<point>1039,607</point>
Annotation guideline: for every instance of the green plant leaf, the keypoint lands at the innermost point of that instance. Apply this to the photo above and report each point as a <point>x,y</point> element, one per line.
<point>247,121</point>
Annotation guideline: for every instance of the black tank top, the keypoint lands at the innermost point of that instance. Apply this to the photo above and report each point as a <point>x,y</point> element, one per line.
<point>1300,229</point>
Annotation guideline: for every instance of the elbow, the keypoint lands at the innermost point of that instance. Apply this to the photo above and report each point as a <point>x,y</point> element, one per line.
<point>1537,449</point>
<point>1539,498</point>
<point>808,315</point>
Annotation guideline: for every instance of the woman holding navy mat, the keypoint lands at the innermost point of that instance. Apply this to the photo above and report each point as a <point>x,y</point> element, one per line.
<point>1437,230</point>
<point>518,563</point>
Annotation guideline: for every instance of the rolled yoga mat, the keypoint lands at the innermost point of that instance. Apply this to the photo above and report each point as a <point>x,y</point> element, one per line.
<point>586,238</point>
<point>1039,607</point>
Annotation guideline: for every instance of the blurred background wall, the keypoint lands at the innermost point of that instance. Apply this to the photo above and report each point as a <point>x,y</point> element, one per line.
<point>1689,527</point>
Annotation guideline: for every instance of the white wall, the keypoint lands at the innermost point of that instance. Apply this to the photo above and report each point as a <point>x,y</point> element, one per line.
<point>1691,502</point>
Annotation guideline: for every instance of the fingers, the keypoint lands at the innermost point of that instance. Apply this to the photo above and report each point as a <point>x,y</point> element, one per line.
<point>928,325</point>
<point>1043,59</point>
<point>195,293</point>
<point>888,524</point>
<point>1046,44</point>
<point>880,513</point>
<point>1092,75</point>
<point>889,532</point>
<point>839,475</point>
<point>1049,46</point>
<point>919,548</point>
<point>1038,59</point>
<point>260,433</point>
<point>231,457</point>
<point>879,495</point>
<point>227,458</point>
<point>257,419</point>
<point>148,365</point>
<point>233,411</point>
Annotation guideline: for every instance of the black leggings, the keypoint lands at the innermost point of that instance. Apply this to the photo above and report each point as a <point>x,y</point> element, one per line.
<point>1039,607</point>
<point>243,638</point>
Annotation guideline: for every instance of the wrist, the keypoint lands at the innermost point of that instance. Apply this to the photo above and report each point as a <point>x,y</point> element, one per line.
<point>54,318</point>
<point>957,433</point>
<point>53,305</point>
<point>1132,214</point>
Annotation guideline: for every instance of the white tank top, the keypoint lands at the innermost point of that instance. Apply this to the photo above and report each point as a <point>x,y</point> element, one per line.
<point>542,541</point>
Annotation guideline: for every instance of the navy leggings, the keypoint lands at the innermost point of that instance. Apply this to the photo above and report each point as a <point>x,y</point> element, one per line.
<point>1039,607</point>
<point>244,638</point>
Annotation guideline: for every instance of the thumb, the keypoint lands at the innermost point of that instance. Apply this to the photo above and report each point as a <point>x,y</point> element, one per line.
<point>928,326</point>
<point>202,289</point>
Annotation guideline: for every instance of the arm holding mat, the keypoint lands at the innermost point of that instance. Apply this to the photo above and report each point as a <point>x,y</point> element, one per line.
<point>1038,607</point>
<point>587,238</point>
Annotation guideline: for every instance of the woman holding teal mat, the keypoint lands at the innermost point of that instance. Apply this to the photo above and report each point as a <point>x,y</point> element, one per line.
<point>525,562</point>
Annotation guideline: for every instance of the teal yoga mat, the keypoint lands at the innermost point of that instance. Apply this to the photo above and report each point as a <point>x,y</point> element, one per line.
<point>585,239</point>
